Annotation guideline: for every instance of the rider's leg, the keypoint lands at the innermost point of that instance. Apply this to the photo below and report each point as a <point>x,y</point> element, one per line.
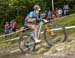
<point>35,34</point>
<point>35,27</point>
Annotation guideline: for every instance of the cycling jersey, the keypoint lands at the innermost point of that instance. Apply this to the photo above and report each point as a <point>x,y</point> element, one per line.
<point>32,14</point>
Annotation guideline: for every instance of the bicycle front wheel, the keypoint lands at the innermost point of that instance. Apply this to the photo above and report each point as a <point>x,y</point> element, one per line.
<point>26,43</point>
<point>54,33</point>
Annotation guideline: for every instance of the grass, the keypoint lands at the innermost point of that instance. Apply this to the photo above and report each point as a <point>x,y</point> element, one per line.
<point>9,45</point>
<point>67,21</point>
<point>4,45</point>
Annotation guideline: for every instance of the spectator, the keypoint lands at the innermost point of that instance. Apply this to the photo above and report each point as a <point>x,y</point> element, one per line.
<point>59,12</point>
<point>49,14</point>
<point>54,17</point>
<point>6,26</point>
<point>14,26</point>
<point>43,14</point>
<point>11,26</point>
<point>66,9</point>
<point>55,12</point>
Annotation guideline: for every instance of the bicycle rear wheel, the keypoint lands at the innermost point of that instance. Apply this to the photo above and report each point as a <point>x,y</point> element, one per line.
<point>55,33</point>
<point>26,43</point>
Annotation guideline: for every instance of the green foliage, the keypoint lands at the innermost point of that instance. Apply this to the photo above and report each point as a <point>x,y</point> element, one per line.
<point>13,9</point>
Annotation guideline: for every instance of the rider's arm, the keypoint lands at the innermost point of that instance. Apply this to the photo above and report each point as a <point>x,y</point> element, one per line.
<point>30,17</point>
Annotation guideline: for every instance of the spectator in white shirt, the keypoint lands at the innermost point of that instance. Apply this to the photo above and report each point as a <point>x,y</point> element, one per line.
<point>59,12</point>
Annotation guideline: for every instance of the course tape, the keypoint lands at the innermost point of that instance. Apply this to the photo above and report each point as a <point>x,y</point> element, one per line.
<point>70,27</point>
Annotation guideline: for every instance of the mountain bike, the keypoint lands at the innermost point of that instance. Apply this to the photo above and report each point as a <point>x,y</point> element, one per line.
<point>53,33</point>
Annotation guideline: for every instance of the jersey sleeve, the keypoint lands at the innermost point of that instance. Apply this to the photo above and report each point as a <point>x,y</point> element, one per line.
<point>30,14</point>
<point>33,15</point>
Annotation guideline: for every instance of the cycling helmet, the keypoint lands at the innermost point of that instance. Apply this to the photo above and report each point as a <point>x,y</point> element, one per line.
<point>36,7</point>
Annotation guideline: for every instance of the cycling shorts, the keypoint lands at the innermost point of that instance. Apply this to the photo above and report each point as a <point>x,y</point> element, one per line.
<point>30,25</point>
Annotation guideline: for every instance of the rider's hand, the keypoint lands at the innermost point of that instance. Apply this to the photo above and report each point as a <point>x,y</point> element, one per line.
<point>31,20</point>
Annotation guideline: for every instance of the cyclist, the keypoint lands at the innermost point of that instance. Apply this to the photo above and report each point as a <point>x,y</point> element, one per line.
<point>30,21</point>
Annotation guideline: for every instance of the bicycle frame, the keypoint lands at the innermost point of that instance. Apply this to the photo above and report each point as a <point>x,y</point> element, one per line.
<point>39,30</point>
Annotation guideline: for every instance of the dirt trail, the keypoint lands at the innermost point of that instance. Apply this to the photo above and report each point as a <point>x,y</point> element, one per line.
<point>41,55</point>
<point>37,54</point>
